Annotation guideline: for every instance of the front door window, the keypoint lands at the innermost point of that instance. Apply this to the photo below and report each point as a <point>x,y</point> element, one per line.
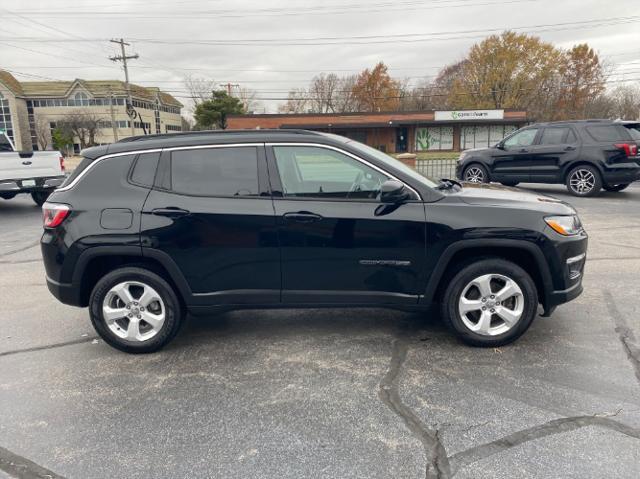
<point>521,139</point>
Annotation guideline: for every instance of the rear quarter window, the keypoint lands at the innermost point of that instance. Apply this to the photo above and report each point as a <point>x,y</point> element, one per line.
<point>83,165</point>
<point>144,170</point>
<point>608,133</point>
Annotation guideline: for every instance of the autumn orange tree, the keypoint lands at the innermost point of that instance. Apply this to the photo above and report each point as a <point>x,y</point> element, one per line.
<point>510,70</point>
<point>581,79</point>
<point>375,90</point>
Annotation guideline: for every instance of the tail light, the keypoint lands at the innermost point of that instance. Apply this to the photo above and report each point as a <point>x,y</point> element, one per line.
<point>630,149</point>
<point>62,163</point>
<point>54,214</point>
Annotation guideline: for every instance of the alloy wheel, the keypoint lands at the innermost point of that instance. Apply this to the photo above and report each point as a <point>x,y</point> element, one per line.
<point>133,311</point>
<point>474,175</point>
<point>582,181</point>
<point>491,304</point>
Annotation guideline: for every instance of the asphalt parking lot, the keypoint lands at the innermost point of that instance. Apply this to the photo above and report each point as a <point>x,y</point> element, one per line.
<point>326,393</point>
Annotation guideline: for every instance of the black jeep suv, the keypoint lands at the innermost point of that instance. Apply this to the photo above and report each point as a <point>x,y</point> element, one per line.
<point>148,229</point>
<point>585,155</point>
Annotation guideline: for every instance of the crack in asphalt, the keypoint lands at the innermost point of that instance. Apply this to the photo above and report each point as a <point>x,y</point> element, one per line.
<point>48,346</point>
<point>22,468</point>
<point>625,333</point>
<point>555,426</point>
<point>24,248</point>
<point>21,261</point>
<point>437,462</point>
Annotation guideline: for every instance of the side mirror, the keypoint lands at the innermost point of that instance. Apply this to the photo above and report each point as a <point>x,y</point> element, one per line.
<point>393,192</point>
<point>500,145</point>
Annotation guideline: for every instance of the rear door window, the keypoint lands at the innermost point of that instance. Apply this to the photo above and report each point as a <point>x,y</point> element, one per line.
<point>228,171</point>
<point>608,133</point>
<point>554,136</point>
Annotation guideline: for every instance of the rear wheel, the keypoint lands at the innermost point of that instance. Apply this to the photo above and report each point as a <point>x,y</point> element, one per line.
<point>490,303</point>
<point>40,197</point>
<point>616,188</point>
<point>135,310</point>
<point>475,173</point>
<point>584,180</point>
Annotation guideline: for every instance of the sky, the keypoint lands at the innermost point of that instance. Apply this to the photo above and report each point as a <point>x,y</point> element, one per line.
<point>274,46</point>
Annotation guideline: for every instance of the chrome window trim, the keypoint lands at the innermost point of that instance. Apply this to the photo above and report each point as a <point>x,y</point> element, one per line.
<point>232,145</point>
<point>347,153</point>
<point>151,150</point>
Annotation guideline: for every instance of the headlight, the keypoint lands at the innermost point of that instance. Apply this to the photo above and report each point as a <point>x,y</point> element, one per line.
<point>565,225</point>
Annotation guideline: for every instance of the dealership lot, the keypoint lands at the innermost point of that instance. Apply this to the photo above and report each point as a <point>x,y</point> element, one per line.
<point>326,393</point>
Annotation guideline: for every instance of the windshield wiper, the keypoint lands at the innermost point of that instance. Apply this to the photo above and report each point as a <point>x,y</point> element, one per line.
<point>448,183</point>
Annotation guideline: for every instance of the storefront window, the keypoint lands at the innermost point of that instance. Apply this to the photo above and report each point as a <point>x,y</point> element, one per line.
<point>434,138</point>
<point>483,136</point>
<point>5,118</point>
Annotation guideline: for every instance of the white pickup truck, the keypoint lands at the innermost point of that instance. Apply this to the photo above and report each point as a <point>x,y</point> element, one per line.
<point>35,172</point>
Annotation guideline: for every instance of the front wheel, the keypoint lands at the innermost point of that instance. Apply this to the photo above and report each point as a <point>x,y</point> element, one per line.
<point>475,174</point>
<point>490,303</point>
<point>584,180</point>
<point>135,310</point>
<point>40,197</point>
<point>615,188</point>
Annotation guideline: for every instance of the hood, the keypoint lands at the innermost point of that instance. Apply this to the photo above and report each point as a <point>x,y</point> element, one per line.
<point>486,194</point>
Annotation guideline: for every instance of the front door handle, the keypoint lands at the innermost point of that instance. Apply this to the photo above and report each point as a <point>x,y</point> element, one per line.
<point>523,150</point>
<point>302,217</point>
<point>171,212</point>
<point>569,148</point>
<point>26,163</point>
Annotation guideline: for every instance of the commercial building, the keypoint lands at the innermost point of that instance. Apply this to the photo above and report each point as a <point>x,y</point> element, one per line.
<point>30,110</point>
<point>401,132</point>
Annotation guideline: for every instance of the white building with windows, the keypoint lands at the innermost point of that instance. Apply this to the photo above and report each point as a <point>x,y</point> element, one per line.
<point>30,110</point>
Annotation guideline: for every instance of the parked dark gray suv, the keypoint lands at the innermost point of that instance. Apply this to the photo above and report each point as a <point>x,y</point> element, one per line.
<point>586,155</point>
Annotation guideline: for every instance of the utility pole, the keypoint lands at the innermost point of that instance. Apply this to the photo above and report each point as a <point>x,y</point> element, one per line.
<point>113,117</point>
<point>229,86</point>
<point>123,58</point>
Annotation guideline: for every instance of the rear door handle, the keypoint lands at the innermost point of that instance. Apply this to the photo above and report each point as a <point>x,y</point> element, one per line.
<point>302,217</point>
<point>26,163</point>
<point>569,148</point>
<point>523,150</point>
<point>171,212</point>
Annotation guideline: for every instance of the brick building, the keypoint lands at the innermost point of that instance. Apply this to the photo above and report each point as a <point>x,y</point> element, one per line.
<point>26,107</point>
<point>400,132</point>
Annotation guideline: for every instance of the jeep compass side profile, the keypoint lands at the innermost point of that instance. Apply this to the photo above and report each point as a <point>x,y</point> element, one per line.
<point>151,228</point>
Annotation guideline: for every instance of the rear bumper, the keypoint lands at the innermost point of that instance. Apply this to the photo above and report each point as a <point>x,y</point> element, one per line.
<point>20,186</point>
<point>65,293</point>
<point>621,173</point>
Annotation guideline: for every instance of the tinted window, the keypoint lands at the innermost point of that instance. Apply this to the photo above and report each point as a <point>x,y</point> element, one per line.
<point>522,138</point>
<point>215,171</point>
<point>307,171</point>
<point>79,169</point>
<point>608,133</point>
<point>571,137</point>
<point>634,131</point>
<point>553,136</point>
<point>145,170</point>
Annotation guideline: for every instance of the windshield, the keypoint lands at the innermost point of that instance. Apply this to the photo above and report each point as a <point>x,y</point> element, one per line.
<point>390,160</point>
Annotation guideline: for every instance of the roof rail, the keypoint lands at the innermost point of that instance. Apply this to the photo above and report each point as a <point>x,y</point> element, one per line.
<point>215,132</point>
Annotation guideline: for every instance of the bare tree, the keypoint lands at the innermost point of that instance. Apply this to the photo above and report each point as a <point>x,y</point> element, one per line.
<point>345,100</point>
<point>199,89</point>
<point>248,98</point>
<point>81,125</point>
<point>297,102</point>
<point>43,132</point>
<point>323,92</point>
<point>626,100</point>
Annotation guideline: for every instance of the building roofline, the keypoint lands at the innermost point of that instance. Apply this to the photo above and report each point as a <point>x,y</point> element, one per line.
<point>360,113</point>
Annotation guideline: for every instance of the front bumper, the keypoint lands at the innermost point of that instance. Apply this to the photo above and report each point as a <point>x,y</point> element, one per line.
<point>569,256</point>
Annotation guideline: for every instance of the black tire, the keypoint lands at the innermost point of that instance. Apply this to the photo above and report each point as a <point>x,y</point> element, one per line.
<point>475,173</point>
<point>174,314</point>
<point>40,197</point>
<point>510,183</point>
<point>584,170</point>
<point>457,285</point>
<point>615,188</point>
